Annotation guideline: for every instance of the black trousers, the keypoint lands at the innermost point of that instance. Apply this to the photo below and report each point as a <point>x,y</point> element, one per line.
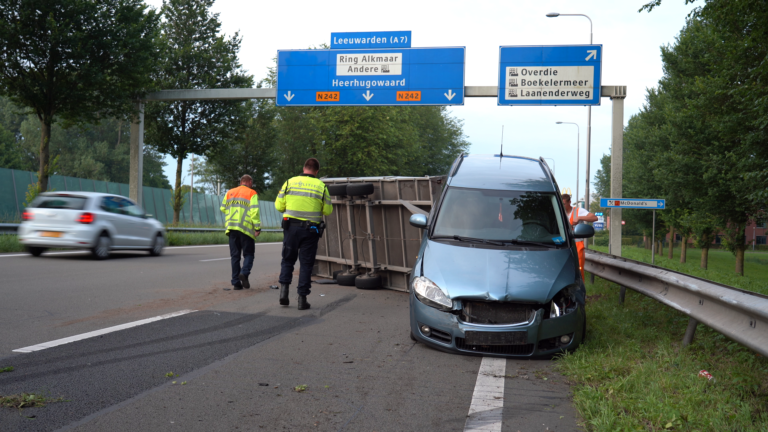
<point>240,243</point>
<point>299,242</point>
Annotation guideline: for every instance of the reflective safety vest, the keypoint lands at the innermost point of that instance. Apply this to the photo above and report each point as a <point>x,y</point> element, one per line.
<point>304,197</point>
<point>241,208</point>
<point>579,246</point>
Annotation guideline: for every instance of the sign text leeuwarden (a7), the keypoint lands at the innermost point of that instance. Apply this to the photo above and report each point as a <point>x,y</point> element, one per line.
<point>371,76</point>
<point>550,75</point>
<point>639,203</point>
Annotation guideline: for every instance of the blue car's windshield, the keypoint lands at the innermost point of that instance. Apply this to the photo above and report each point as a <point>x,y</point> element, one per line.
<point>500,215</point>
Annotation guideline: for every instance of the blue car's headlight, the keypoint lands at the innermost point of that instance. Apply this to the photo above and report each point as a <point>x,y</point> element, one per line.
<point>430,294</point>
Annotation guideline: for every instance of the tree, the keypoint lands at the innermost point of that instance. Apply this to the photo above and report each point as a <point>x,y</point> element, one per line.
<point>252,152</point>
<point>73,60</point>
<point>195,56</point>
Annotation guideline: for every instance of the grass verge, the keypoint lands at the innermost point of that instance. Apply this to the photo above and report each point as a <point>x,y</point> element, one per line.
<point>633,374</point>
<point>27,400</point>
<point>720,269</point>
<point>9,243</point>
<point>190,239</point>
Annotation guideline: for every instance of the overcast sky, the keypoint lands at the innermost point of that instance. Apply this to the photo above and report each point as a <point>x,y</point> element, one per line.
<point>631,57</point>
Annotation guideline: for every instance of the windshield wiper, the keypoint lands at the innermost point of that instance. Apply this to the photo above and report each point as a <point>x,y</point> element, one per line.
<point>470,239</point>
<point>527,242</point>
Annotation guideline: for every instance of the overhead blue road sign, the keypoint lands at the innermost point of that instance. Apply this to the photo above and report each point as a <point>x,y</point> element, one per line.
<point>641,203</point>
<point>550,75</point>
<point>368,77</point>
<point>383,39</point>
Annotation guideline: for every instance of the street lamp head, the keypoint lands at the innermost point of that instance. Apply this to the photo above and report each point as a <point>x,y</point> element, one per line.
<point>559,122</point>
<point>553,14</point>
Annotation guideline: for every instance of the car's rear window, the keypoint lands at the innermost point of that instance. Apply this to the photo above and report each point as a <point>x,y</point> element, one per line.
<point>68,202</point>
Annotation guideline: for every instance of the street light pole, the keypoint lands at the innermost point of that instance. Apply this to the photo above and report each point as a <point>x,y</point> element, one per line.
<point>578,132</point>
<point>589,108</point>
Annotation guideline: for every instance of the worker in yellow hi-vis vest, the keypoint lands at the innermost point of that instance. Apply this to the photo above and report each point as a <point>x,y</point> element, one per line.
<point>576,215</point>
<point>241,208</point>
<point>304,200</point>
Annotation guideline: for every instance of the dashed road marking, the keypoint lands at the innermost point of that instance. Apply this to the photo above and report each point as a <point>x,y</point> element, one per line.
<point>488,398</point>
<point>75,338</point>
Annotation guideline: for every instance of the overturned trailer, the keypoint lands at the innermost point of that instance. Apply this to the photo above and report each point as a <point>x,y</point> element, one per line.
<point>368,240</point>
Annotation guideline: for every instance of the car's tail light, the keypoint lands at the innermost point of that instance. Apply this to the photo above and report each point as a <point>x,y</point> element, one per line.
<point>86,218</point>
<point>27,216</point>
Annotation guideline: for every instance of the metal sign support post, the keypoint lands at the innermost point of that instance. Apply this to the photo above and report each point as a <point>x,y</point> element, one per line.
<point>653,240</point>
<point>135,189</point>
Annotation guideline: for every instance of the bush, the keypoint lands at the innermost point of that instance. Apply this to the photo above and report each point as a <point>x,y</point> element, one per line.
<point>601,241</point>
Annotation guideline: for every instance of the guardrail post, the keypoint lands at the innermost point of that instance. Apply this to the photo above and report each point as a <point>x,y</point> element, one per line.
<point>622,293</point>
<point>690,331</point>
<point>592,278</point>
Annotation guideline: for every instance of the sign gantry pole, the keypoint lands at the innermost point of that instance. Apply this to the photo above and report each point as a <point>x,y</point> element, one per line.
<point>653,240</point>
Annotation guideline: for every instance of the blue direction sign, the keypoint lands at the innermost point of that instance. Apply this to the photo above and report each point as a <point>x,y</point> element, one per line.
<point>641,203</point>
<point>550,75</point>
<point>384,39</point>
<point>392,76</point>
<point>598,226</point>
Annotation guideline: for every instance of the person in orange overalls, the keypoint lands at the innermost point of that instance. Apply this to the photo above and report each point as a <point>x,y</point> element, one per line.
<point>575,217</point>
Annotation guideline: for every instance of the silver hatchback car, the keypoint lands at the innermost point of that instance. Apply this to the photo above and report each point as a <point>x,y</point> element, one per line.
<point>89,220</point>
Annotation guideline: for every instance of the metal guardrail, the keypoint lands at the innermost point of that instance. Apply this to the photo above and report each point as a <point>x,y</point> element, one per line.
<point>10,228</point>
<point>738,314</point>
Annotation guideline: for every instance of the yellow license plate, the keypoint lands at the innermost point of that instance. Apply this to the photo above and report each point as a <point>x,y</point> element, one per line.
<point>50,234</point>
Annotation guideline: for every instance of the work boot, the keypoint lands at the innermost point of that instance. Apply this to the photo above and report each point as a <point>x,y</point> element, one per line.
<point>303,305</point>
<point>244,280</point>
<point>237,287</point>
<point>284,295</point>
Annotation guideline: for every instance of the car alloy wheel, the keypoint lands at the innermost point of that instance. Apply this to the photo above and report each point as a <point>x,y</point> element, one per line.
<point>103,245</point>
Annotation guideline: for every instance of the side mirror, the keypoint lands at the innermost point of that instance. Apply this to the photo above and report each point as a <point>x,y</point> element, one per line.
<point>418,220</point>
<point>582,230</point>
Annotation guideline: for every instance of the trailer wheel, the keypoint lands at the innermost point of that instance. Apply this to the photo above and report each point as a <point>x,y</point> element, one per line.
<point>359,189</point>
<point>346,279</point>
<point>337,189</point>
<point>368,282</point>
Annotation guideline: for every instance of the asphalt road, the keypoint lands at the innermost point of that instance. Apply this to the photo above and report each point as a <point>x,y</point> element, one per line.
<point>236,362</point>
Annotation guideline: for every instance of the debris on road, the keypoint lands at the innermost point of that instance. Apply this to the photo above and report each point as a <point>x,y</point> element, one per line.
<point>26,400</point>
<point>705,374</point>
<point>274,286</point>
<point>264,384</point>
<point>300,388</point>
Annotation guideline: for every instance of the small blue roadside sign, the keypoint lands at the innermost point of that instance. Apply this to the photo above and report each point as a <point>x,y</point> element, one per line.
<point>371,76</point>
<point>550,75</point>
<point>365,40</point>
<point>641,203</point>
<point>598,226</point>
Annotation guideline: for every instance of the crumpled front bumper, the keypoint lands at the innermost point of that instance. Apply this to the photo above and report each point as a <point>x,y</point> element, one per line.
<point>448,332</point>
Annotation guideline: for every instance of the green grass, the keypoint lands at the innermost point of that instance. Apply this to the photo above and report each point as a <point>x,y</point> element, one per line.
<point>189,239</point>
<point>634,375</point>
<point>721,266</point>
<point>9,243</point>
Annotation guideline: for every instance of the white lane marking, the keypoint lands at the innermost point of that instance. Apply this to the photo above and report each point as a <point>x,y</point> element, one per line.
<point>130,250</point>
<point>75,338</point>
<point>216,259</point>
<point>488,398</point>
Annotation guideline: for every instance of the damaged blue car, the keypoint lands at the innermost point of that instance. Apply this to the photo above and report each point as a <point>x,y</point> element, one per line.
<point>498,272</point>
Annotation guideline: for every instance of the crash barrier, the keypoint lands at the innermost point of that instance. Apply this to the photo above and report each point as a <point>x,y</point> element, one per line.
<point>368,238</point>
<point>11,228</point>
<point>157,202</point>
<point>738,314</point>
